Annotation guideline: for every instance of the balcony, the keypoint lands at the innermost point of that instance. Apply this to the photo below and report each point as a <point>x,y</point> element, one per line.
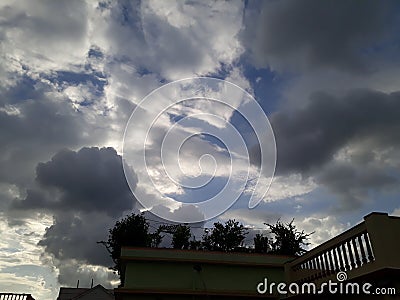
<point>366,249</point>
<point>11,296</point>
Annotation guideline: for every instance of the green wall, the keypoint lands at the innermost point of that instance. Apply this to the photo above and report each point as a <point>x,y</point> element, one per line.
<point>175,271</point>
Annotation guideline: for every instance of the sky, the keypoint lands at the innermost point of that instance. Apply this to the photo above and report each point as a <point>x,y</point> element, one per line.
<point>99,117</point>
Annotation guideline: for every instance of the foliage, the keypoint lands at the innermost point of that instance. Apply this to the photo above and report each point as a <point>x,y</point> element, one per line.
<point>133,231</point>
<point>195,244</point>
<point>261,243</point>
<point>156,238</point>
<point>181,237</point>
<point>224,237</point>
<point>287,239</point>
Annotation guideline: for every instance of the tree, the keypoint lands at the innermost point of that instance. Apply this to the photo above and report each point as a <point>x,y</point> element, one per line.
<point>156,238</point>
<point>181,237</point>
<point>224,237</point>
<point>261,243</point>
<point>195,244</point>
<point>133,230</point>
<point>287,239</point>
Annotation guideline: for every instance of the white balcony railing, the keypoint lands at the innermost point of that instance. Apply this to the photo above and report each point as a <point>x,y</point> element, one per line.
<point>367,247</point>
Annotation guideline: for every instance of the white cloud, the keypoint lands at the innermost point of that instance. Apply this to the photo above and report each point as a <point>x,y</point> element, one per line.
<point>44,39</point>
<point>43,36</point>
<point>204,35</point>
<point>72,270</point>
<point>283,187</point>
<point>22,269</point>
<point>324,228</point>
<point>395,212</point>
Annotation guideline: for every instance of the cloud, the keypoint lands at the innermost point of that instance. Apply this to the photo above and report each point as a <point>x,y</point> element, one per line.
<point>310,136</point>
<point>345,143</point>
<point>395,212</point>
<point>283,187</point>
<point>189,213</point>
<point>32,30</point>
<point>310,34</point>
<point>84,229</point>
<point>253,218</point>
<point>37,120</point>
<point>88,180</point>
<point>150,43</point>
<point>71,73</point>
<point>324,228</point>
<point>353,183</point>
<point>71,271</point>
<point>86,192</point>
<point>204,35</point>
<point>21,269</point>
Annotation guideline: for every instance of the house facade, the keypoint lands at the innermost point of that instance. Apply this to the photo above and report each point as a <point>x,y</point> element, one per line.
<point>368,253</point>
<point>154,273</point>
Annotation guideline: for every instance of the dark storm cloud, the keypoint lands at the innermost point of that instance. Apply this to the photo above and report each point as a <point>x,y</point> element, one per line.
<point>90,180</point>
<point>311,33</point>
<point>309,137</point>
<point>33,125</point>
<point>86,192</point>
<point>83,229</point>
<point>353,183</point>
<point>362,126</point>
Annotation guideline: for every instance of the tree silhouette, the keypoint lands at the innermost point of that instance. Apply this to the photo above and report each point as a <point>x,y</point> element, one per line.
<point>224,237</point>
<point>196,244</point>
<point>181,237</point>
<point>133,230</point>
<point>287,239</point>
<point>261,244</point>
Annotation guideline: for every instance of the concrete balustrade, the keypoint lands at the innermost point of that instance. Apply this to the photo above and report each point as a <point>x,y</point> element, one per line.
<point>12,296</point>
<point>365,248</point>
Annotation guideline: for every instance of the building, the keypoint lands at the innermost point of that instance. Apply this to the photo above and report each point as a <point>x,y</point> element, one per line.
<point>95,293</point>
<point>368,252</point>
<point>155,273</point>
